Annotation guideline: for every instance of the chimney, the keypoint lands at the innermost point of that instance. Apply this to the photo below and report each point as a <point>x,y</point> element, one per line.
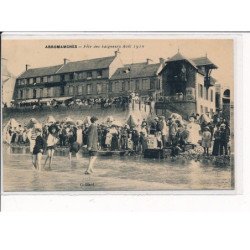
<point>162,60</point>
<point>117,52</point>
<point>65,61</point>
<point>149,60</point>
<point>27,66</point>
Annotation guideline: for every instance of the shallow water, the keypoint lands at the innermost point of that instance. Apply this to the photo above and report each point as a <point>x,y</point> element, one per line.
<point>113,173</point>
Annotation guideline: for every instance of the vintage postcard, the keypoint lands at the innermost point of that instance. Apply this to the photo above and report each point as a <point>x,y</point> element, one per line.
<point>117,113</point>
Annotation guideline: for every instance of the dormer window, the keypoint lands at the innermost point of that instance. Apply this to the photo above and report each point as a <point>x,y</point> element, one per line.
<point>45,79</point>
<point>38,80</point>
<point>89,75</point>
<point>50,78</point>
<point>71,76</point>
<point>99,74</point>
<point>31,81</point>
<point>126,71</point>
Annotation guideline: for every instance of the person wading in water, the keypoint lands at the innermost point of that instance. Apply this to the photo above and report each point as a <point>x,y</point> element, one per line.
<point>92,144</point>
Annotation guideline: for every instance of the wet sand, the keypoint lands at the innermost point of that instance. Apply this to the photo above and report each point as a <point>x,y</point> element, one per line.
<point>114,173</point>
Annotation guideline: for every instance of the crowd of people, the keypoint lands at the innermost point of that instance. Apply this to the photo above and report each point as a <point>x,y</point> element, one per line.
<point>103,102</point>
<point>137,136</point>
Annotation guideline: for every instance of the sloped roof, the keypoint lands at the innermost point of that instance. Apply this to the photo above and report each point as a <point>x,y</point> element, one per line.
<point>202,61</point>
<point>136,70</point>
<point>96,63</point>
<point>44,71</point>
<point>180,57</point>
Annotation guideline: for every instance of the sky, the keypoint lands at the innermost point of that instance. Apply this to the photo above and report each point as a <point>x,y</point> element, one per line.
<point>20,52</point>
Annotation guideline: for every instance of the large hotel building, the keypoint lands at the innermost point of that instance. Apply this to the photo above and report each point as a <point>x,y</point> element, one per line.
<point>179,84</point>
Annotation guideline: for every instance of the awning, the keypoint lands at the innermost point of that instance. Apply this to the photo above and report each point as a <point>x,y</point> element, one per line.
<point>55,99</point>
<point>46,99</point>
<point>28,101</point>
<point>63,98</point>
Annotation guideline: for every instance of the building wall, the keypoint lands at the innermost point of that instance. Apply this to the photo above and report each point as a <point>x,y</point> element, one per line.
<point>171,77</point>
<point>117,63</point>
<point>204,103</point>
<point>144,86</point>
<point>8,83</point>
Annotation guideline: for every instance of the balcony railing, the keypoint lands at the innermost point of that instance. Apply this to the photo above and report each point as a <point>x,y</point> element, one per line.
<point>176,98</point>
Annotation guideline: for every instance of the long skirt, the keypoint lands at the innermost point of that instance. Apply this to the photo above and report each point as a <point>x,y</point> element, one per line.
<point>114,143</point>
<point>216,147</point>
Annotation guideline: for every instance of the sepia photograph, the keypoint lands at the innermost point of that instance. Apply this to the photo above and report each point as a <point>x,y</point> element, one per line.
<point>140,113</point>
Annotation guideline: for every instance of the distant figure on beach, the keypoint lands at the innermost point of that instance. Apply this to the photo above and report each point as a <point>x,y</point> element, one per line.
<point>92,144</point>
<point>206,140</point>
<point>38,149</point>
<point>74,146</point>
<point>51,143</point>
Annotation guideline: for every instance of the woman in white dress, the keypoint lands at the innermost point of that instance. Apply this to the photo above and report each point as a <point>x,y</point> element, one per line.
<point>194,131</point>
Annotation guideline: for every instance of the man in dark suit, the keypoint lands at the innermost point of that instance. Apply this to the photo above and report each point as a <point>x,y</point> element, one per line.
<point>92,144</point>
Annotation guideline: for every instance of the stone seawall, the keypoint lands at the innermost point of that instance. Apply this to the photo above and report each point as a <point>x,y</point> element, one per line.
<point>23,115</point>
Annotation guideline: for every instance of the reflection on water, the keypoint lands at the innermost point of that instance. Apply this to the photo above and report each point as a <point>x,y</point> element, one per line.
<point>111,173</point>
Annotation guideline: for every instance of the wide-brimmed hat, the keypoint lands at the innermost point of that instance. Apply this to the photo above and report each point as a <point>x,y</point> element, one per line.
<point>93,119</point>
<point>53,126</point>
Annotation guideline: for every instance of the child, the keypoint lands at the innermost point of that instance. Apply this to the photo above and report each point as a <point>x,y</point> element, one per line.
<point>74,146</point>
<point>38,150</point>
<point>51,143</point>
<point>206,140</point>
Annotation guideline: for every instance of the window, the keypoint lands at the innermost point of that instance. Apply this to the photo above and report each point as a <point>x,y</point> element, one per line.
<point>34,93</point>
<point>89,74</point>
<point>18,82</point>
<point>132,85</point>
<point>127,86</point>
<point>145,84</point>
<point>206,110</point>
<point>79,90</point>
<point>201,109</point>
<point>31,81</point>
<point>41,93</point>
<point>45,92</point>
<point>200,89</point>
<point>206,92</point>
<point>38,80</point>
<point>20,94</point>
<point>62,78</point>
<point>113,86</point>
<point>50,78</point>
<point>71,90</point>
<point>80,75</point>
<point>212,96</point>
<point>38,93</point>
<point>123,86</point>
<point>137,85</point>
<point>66,77</point>
<point>62,90</point>
<point>45,79</point>
<point>50,92</point>
<point>104,88</point>
<point>159,84</point>
<point>71,76</point>
<point>99,88</point>
<point>99,73</point>
<point>88,89</point>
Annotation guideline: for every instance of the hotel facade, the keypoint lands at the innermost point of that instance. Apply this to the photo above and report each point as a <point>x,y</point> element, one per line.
<point>178,84</point>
